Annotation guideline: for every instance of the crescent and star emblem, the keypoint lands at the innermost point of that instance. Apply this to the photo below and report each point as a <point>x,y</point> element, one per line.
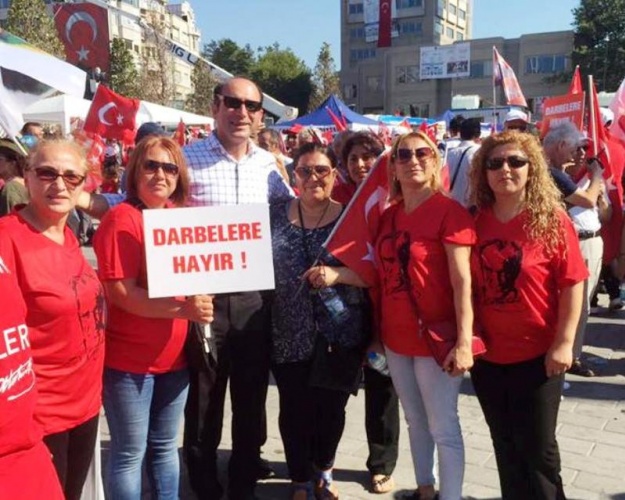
<point>102,111</point>
<point>385,6</point>
<point>78,17</point>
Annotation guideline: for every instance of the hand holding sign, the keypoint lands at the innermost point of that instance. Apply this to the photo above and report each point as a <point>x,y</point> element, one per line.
<point>198,308</point>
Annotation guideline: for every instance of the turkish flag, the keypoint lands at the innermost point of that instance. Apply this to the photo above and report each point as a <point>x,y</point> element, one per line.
<point>84,30</point>
<point>339,123</point>
<point>576,82</point>
<point>504,75</point>
<point>112,116</point>
<point>179,134</point>
<point>384,29</point>
<point>353,237</point>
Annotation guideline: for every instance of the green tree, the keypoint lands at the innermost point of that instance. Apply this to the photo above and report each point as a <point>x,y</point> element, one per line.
<point>123,74</point>
<point>325,77</point>
<point>284,76</point>
<point>600,41</point>
<point>226,54</point>
<point>30,20</point>
<point>156,75</point>
<point>203,81</point>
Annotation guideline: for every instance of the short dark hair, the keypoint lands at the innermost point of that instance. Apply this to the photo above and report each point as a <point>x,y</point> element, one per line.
<point>470,129</point>
<point>455,122</point>
<point>219,88</point>
<point>313,147</point>
<point>367,140</point>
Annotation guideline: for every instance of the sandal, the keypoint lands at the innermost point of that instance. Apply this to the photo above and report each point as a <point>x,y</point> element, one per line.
<point>324,489</point>
<point>381,483</point>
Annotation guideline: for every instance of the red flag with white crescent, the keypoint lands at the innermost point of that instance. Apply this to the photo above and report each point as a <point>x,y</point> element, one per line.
<point>84,31</point>
<point>353,237</point>
<point>112,116</point>
<point>504,75</point>
<point>384,27</point>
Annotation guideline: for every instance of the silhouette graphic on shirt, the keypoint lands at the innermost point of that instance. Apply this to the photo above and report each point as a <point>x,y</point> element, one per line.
<point>394,257</point>
<point>500,263</point>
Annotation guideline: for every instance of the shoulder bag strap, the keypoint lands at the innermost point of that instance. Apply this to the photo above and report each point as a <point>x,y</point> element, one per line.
<point>453,181</point>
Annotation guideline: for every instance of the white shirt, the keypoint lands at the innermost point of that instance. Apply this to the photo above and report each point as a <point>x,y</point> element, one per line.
<point>460,190</point>
<point>585,219</point>
<point>219,179</point>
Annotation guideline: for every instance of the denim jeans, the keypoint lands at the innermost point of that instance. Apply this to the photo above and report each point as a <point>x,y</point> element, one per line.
<point>144,413</point>
<point>429,398</point>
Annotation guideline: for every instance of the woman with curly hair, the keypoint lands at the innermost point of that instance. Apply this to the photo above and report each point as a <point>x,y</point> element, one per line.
<point>528,278</point>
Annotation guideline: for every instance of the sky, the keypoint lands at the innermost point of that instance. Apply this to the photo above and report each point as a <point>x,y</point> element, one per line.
<point>303,25</point>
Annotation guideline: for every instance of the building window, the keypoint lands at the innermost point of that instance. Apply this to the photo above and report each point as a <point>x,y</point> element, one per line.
<point>459,35</point>
<point>374,83</point>
<point>355,8</point>
<point>438,26</point>
<point>411,28</point>
<point>356,33</point>
<point>545,64</point>
<point>450,33</point>
<point>407,4</point>
<point>361,54</point>
<point>407,74</point>
<point>350,91</point>
<point>453,10</point>
<point>440,8</point>
<point>481,69</point>
<point>134,3</point>
<point>462,14</point>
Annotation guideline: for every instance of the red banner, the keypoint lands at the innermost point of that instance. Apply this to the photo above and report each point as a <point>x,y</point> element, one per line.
<point>569,107</point>
<point>384,31</point>
<point>84,30</point>
<point>112,116</point>
<point>504,75</point>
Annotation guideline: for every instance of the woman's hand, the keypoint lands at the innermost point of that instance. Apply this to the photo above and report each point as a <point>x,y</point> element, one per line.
<point>198,308</point>
<point>459,360</point>
<point>559,358</point>
<point>321,276</point>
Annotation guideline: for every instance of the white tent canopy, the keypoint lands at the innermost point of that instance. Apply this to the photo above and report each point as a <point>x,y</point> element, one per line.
<point>63,108</point>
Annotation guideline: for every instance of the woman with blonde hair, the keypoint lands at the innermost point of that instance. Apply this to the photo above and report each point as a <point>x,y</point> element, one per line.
<point>528,276</point>
<point>423,251</point>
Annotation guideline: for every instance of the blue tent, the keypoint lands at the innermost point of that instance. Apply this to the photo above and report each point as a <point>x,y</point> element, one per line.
<point>321,118</point>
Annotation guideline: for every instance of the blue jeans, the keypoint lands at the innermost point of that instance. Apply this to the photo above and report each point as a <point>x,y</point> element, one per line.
<point>144,411</point>
<point>429,398</point>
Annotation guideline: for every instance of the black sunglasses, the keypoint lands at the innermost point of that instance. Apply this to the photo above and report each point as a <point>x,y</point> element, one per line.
<point>47,174</point>
<point>236,103</point>
<point>169,169</point>
<point>320,171</point>
<point>513,161</point>
<point>406,154</point>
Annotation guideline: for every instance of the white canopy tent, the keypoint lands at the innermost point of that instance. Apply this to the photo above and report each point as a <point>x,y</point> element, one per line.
<point>64,109</point>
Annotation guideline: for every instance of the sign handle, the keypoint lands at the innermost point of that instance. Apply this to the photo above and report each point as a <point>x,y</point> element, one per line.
<point>207,335</point>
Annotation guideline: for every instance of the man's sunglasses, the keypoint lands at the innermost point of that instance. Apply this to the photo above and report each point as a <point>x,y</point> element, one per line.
<point>169,169</point>
<point>320,171</point>
<point>513,161</point>
<point>236,103</point>
<point>406,154</point>
<point>47,174</point>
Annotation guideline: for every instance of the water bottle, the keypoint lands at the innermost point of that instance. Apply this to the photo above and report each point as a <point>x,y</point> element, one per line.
<point>622,291</point>
<point>337,310</point>
<point>378,363</point>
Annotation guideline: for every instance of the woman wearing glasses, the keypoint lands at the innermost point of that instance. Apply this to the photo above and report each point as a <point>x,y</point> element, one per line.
<point>315,319</point>
<point>65,308</point>
<point>145,376</point>
<point>423,250</point>
<point>528,273</point>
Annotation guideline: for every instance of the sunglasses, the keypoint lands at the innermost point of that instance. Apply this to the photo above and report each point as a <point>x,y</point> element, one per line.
<point>236,103</point>
<point>405,154</point>
<point>50,175</point>
<point>169,169</point>
<point>320,171</point>
<point>512,161</point>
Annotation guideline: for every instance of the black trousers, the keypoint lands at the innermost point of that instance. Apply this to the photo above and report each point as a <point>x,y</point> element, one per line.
<point>241,332</point>
<point>72,453</point>
<point>311,420</point>
<point>381,422</point>
<point>521,404</point>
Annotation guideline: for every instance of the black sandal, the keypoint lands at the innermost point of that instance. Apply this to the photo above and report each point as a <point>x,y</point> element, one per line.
<point>381,483</point>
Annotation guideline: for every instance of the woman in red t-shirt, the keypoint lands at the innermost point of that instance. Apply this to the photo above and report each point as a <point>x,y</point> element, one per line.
<point>145,375</point>
<point>65,304</point>
<point>528,273</point>
<point>422,252</point>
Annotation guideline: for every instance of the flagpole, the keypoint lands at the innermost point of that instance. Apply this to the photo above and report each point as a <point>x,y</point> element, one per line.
<point>494,93</point>
<point>592,112</point>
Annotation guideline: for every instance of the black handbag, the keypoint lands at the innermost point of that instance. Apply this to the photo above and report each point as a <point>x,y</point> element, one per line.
<point>336,367</point>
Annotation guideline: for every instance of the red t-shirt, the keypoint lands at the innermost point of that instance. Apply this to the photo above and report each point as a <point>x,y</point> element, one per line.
<point>517,286</point>
<point>134,343</point>
<point>65,317</point>
<point>419,248</point>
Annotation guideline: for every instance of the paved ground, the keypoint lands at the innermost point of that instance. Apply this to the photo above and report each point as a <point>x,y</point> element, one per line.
<point>591,433</point>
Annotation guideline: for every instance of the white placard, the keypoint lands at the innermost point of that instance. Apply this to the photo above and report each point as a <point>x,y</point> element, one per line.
<point>445,61</point>
<point>191,251</point>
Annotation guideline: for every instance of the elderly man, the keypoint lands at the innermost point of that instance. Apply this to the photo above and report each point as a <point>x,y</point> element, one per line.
<point>565,147</point>
<point>227,168</point>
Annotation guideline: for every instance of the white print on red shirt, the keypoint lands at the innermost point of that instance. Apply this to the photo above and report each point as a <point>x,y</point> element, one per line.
<point>14,341</point>
<point>15,376</point>
<point>3,267</point>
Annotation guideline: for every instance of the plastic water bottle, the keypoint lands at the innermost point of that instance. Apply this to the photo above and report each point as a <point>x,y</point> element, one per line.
<point>378,363</point>
<point>337,310</point>
<point>622,291</point>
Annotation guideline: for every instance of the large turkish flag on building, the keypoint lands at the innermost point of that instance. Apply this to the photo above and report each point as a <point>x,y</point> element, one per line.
<point>84,30</point>
<point>112,116</point>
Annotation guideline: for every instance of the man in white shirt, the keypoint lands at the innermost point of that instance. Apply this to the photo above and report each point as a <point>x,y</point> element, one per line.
<point>459,160</point>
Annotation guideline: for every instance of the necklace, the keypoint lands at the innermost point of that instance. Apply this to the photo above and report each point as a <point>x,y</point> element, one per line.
<point>323,214</point>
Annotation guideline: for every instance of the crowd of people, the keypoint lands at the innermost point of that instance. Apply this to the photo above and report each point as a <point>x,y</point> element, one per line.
<point>509,249</point>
